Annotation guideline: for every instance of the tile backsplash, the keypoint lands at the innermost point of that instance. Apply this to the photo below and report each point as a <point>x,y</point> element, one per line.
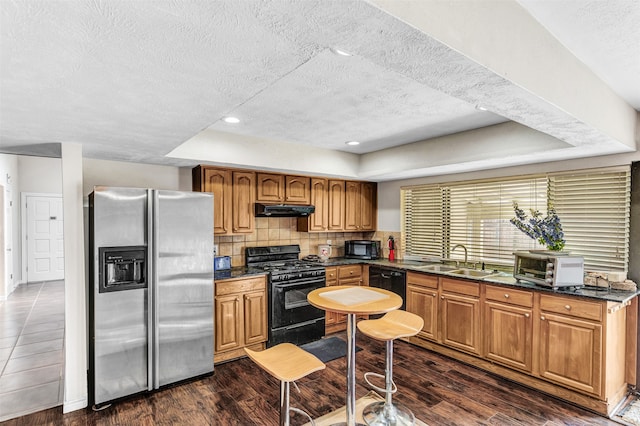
<point>274,231</point>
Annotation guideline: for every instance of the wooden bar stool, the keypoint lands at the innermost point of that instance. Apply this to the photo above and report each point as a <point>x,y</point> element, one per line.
<point>287,363</point>
<point>391,326</point>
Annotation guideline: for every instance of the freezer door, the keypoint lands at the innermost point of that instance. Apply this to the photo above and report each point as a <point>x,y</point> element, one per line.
<point>118,330</point>
<point>183,259</point>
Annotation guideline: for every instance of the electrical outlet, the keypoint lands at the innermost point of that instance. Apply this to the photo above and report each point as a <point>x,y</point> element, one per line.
<point>215,249</point>
<point>329,242</point>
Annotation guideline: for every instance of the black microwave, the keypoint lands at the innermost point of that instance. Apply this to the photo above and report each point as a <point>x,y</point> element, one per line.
<point>362,249</point>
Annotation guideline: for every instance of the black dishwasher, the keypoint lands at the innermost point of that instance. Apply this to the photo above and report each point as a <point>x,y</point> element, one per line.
<point>388,279</point>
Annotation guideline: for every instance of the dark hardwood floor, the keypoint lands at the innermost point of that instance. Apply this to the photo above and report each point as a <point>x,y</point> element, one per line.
<point>439,390</point>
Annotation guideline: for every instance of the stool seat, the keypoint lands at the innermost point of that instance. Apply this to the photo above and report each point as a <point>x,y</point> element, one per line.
<point>392,325</point>
<point>286,362</point>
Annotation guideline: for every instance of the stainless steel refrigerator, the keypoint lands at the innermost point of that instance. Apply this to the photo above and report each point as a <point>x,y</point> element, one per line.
<point>150,289</point>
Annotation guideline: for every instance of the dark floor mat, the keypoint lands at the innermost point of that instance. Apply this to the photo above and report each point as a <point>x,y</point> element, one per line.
<point>328,349</point>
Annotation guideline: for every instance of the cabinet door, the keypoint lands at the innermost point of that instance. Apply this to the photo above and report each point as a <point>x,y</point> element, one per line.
<point>219,183</point>
<point>571,352</point>
<point>243,202</point>
<point>368,206</point>
<point>423,302</point>
<point>336,200</point>
<point>509,335</point>
<point>320,199</point>
<point>460,322</point>
<point>352,206</point>
<point>332,318</point>
<point>228,322</point>
<point>269,188</point>
<point>255,316</point>
<point>297,190</point>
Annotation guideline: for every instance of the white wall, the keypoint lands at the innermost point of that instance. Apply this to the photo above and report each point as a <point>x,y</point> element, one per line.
<point>40,174</point>
<point>10,180</point>
<point>75,319</point>
<point>118,173</point>
<point>389,192</point>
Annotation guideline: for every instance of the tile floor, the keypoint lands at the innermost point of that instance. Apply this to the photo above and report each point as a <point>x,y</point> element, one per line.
<point>31,340</point>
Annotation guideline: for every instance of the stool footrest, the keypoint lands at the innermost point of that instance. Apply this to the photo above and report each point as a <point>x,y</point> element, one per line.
<point>304,413</point>
<point>393,389</point>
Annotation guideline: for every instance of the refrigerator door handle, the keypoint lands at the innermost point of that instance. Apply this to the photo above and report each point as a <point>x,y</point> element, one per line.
<point>151,291</point>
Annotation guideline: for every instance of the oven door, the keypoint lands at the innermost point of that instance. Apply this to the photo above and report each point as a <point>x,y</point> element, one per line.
<point>289,303</point>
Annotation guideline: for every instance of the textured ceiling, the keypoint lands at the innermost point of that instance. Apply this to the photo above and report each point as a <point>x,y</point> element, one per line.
<point>131,81</point>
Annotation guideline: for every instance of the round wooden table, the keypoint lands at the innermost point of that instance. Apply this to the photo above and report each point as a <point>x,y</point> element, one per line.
<point>353,300</point>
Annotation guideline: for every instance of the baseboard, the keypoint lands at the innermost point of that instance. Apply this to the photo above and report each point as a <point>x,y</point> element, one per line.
<point>69,406</point>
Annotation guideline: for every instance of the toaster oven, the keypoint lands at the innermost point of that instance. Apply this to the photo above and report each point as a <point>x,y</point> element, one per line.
<point>549,270</point>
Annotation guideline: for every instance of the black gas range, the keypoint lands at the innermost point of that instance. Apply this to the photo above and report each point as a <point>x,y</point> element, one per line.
<point>291,318</point>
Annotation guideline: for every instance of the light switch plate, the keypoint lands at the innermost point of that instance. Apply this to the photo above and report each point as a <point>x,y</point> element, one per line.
<point>215,249</point>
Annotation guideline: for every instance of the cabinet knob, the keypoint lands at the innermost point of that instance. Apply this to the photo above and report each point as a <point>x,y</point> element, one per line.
<point>567,307</point>
<point>526,315</point>
<point>434,295</point>
<point>442,297</point>
<point>542,318</point>
<point>350,272</point>
<point>506,296</point>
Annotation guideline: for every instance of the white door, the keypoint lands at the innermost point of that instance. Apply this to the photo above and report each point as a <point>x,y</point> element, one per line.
<point>45,248</point>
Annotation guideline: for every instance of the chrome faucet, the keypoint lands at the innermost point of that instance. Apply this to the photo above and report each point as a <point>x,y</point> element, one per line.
<point>465,252</point>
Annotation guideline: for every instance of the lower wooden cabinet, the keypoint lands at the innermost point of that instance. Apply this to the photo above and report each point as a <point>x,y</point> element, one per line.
<point>240,313</point>
<point>460,315</point>
<point>340,275</point>
<point>508,327</point>
<point>422,300</point>
<point>571,347</point>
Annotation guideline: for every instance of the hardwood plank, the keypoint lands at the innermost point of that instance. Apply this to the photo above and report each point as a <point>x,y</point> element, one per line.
<point>439,390</point>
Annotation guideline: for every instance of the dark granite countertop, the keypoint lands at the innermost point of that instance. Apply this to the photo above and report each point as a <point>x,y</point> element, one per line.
<point>237,272</point>
<point>502,279</point>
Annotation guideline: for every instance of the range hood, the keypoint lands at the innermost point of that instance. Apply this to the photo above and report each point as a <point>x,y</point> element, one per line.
<point>283,210</point>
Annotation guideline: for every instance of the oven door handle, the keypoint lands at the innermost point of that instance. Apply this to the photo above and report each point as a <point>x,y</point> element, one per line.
<point>296,283</point>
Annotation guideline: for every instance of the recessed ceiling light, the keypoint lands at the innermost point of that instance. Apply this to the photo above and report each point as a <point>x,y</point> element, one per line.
<point>352,143</point>
<point>481,108</point>
<point>341,52</point>
<point>231,120</point>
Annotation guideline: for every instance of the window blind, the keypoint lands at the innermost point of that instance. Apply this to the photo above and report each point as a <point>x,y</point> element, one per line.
<point>594,211</point>
<point>480,214</point>
<point>593,207</point>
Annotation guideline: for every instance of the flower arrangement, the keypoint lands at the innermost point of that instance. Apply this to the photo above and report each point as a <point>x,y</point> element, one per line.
<point>547,231</point>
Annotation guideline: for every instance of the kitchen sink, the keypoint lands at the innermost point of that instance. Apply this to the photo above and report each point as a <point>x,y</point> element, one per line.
<point>472,273</point>
<point>437,268</point>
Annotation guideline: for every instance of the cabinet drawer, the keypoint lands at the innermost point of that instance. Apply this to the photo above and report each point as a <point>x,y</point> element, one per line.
<point>570,306</point>
<point>331,273</point>
<point>239,285</point>
<point>422,280</point>
<point>509,295</point>
<point>461,287</point>
<point>350,271</point>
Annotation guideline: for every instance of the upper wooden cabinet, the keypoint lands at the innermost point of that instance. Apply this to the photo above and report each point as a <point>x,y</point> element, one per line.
<point>297,190</point>
<point>244,195</point>
<point>233,198</point>
<point>336,203</point>
<point>277,188</point>
<point>360,206</point>
<point>319,220</point>
<point>339,205</point>
<point>218,182</point>
<point>327,195</point>
<point>269,188</point>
